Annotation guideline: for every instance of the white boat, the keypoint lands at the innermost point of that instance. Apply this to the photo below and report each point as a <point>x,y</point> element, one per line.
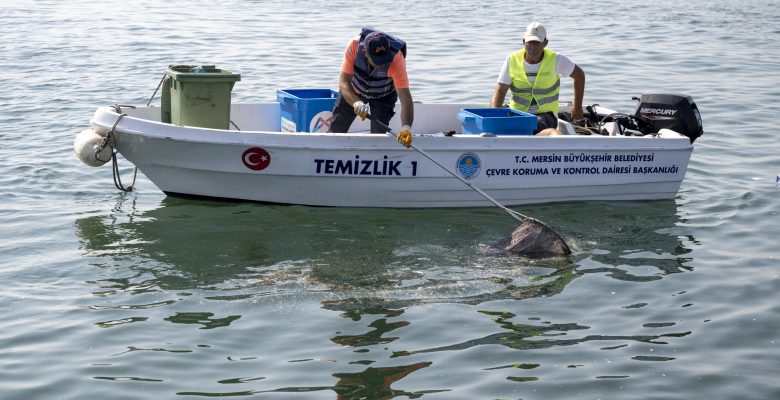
<point>360,169</point>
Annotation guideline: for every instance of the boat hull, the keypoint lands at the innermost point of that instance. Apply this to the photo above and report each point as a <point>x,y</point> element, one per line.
<point>371,170</point>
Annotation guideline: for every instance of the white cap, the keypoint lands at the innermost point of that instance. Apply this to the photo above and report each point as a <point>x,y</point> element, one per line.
<point>535,32</point>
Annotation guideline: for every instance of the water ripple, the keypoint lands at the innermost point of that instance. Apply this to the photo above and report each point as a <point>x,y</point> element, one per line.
<point>315,302</point>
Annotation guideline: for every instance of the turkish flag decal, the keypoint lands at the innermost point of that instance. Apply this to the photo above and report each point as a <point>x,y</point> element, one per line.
<point>256,158</point>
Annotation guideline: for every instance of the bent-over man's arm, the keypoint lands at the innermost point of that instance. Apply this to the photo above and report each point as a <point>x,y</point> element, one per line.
<point>407,106</point>
<point>345,87</point>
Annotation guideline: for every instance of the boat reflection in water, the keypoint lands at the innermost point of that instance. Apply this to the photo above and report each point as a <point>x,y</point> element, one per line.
<point>187,244</point>
<point>377,269</point>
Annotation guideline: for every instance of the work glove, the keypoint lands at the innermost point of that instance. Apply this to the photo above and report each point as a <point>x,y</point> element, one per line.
<point>361,109</point>
<point>405,136</point>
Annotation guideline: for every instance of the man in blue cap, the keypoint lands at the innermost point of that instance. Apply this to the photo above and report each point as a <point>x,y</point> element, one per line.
<point>373,77</point>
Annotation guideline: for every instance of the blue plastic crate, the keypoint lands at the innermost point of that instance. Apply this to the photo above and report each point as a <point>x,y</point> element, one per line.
<point>498,121</point>
<point>306,110</point>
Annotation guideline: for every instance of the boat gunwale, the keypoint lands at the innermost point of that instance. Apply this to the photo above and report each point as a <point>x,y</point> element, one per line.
<point>104,115</point>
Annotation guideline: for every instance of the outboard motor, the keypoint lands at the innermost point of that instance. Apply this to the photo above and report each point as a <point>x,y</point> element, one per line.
<point>676,112</point>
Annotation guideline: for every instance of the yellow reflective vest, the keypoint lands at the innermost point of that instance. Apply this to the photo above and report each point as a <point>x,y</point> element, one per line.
<point>545,88</point>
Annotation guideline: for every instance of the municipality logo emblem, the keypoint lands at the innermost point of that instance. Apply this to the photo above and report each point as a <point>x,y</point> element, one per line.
<point>468,165</point>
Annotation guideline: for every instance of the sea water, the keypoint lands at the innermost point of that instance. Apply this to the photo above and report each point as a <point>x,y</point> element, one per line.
<point>112,295</point>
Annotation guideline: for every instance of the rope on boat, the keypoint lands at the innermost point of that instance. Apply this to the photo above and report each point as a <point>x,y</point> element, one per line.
<point>593,124</point>
<point>109,139</point>
<point>155,90</point>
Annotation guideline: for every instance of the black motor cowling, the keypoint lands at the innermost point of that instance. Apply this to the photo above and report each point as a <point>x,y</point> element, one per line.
<point>676,112</point>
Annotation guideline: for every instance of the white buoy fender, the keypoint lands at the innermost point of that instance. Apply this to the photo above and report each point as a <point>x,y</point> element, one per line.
<point>100,130</point>
<point>86,147</point>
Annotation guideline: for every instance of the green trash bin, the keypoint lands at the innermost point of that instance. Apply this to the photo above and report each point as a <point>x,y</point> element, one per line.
<point>197,96</point>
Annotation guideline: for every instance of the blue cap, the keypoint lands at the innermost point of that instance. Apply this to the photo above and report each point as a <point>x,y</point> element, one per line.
<point>378,48</point>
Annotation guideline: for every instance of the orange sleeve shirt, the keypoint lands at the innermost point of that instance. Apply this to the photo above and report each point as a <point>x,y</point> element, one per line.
<point>397,69</point>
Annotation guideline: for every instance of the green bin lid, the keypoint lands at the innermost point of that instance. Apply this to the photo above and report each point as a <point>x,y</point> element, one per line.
<point>201,73</point>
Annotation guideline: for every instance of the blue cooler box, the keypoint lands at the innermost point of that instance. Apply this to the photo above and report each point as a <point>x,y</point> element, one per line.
<point>306,110</point>
<point>498,121</point>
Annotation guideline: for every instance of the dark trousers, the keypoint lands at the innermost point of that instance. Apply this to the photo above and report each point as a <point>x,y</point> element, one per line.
<point>546,120</point>
<point>382,109</point>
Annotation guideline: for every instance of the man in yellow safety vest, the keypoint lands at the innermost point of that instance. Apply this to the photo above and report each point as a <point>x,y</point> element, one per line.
<point>533,75</point>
